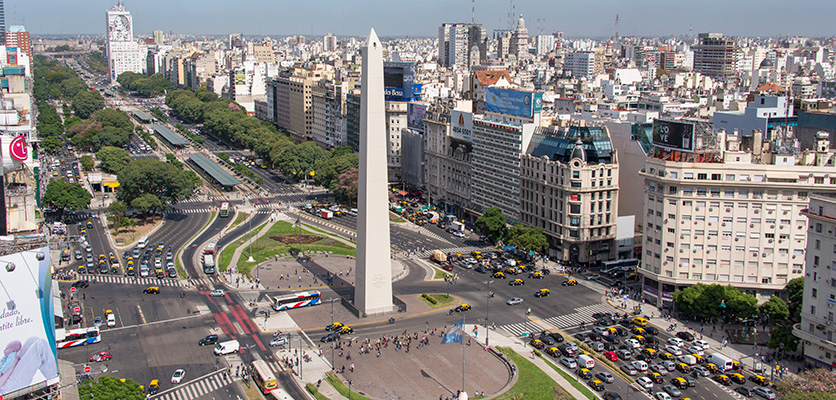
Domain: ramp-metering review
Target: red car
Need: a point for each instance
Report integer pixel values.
(447, 267)
(101, 356)
(611, 356)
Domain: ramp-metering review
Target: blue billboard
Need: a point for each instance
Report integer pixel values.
(399, 94)
(513, 102)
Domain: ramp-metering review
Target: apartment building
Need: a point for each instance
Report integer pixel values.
(569, 188)
(448, 153)
(328, 108)
(817, 328)
(730, 212)
(291, 93)
(717, 56)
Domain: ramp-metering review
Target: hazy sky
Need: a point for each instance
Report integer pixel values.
(591, 18)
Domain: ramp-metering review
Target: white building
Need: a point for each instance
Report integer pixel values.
(730, 214)
(817, 328)
(123, 53)
(580, 63)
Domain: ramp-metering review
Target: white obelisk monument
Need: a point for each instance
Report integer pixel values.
(373, 283)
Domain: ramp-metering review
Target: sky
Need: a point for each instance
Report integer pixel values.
(421, 18)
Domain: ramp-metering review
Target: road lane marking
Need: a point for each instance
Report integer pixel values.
(141, 315)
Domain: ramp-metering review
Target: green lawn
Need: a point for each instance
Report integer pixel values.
(533, 383)
(239, 218)
(266, 248)
(313, 390)
(340, 386)
(441, 300)
(572, 380)
(226, 254)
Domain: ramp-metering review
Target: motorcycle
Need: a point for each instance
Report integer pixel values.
(391, 320)
(277, 334)
(490, 294)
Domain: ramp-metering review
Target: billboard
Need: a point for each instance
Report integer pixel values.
(673, 135)
(399, 94)
(461, 125)
(513, 102)
(29, 359)
(415, 114)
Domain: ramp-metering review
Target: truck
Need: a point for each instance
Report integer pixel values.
(457, 226)
(585, 361)
(228, 347)
(326, 214)
(438, 256)
(722, 361)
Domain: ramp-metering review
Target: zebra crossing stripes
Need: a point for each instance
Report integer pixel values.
(130, 280)
(520, 327)
(581, 314)
(453, 250)
(196, 388)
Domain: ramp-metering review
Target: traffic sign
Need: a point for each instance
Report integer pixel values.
(87, 369)
(76, 310)
(72, 290)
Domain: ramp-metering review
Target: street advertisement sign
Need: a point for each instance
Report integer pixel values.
(513, 102)
(27, 327)
(415, 116)
(673, 135)
(461, 125)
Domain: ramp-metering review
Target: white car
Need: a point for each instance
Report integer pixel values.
(675, 350)
(675, 341)
(645, 383)
(633, 342)
(279, 341)
(701, 343)
(514, 301)
(178, 376)
(641, 366)
(593, 277)
(217, 293)
(662, 396)
(458, 234)
(696, 350)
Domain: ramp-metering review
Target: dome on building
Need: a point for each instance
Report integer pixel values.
(520, 23)
(578, 151)
(766, 63)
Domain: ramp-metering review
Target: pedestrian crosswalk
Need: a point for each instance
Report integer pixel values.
(197, 388)
(260, 209)
(425, 253)
(581, 314)
(131, 280)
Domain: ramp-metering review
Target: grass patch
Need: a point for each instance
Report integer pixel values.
(252, 391)
(239, 218)
(532, 384)
(441, 300)
(398, 221)
(340, 386)
(440, 273)
(226, 254)
(313, 228)
(313, 390)
(267, 247)
(573, 381)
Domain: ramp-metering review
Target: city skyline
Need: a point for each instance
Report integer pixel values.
(638, 18)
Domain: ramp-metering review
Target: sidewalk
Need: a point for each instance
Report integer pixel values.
(231, 274)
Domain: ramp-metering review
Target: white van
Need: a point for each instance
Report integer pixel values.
(721, 361)
(143, 241)
(111, 320)
(687, 359)
(585, 361)
(228, 347)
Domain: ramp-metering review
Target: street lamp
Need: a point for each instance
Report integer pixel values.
(488, 314)
(349, 388)
(332, 300)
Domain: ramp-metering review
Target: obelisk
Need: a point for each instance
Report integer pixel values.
(373, 283)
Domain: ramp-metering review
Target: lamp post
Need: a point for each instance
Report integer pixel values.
(349, 388)
(488, 314)
(332, 300)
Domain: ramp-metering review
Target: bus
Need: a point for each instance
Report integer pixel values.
(631, 263)
(297, 300)
(263, 377)
(280, 394)
(224, 209)
(78, 337)
(208, 258)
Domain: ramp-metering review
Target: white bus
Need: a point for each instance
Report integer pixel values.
(78, 337)
(263, 377)
(297, 300)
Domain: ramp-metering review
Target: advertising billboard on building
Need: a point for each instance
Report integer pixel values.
(461, 125)
(673, 135)
(415, 114)
(27, 327)
(513, 102)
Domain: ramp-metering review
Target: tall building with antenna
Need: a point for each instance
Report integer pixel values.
(461, 45)
(123, 53)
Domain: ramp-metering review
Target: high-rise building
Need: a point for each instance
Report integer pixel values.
(123, 53)
(818, 328)
(727, 209)
(716, 56)
(569, 188)
(329, 43)
(580, 63)
(519, 40)
(545, 44)
(2, 22)
(291, 92)
(159, 37)
(18, 37)
(461, 45)
(448, 153)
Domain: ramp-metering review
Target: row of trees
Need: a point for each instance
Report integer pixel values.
(55, 81)
(148, 86)
(494, 226)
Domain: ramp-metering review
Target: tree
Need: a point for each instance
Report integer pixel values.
(740, 305)
(146, 203)
(115, 118)
(781, 337)
(113, 159)
(775, 308)
(492, 223)
(172, 159)
(117, 209)
(526, 238)
(87, 162)
(86, 103)
(149, 176)
(62, 195)
(795, 296)
(50, 143)
(110, 388)
(714, 301)
(810, 382)
(810, 396)
(345, 187)
(72, 86)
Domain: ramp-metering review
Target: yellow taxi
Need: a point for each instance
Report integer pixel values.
(154, 386)
(737, 378)
(639, 321)
(584, 373)
(553, 351)
(639, 338)
(684, 368)
(700, 359)
(476, 254)
(152, 290)
(760, 380)
(597, 385)
(713, 368)
(612, 331)
(649, 353)
(570, 282)
(639, 331)
(516, 282)
(542, 293)
(499, 275)
(89, 225)
(537, 344)
(81, 269)
(679, 382)
(667, 356)
(723, 380)
(336, 326)
(462, 308)
(656, 377)
(536, 275)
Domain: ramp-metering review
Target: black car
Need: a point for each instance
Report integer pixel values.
(650, 330)
(208, 340)
(83, 283)
(333, 336)
(558, 338)
(612, 339)
(480, 269)
(609, 347)
(612, 396)
(687, 336)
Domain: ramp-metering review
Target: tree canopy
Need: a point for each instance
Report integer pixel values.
(775, 308)
(148, 86)
(810, 383)
(87, 162)
(492, 224)
(110, 388)
(795, 296)
(113, 159)
(62, 195)
(150, 176)
(86, 103)
(715, 301)
(526, 238)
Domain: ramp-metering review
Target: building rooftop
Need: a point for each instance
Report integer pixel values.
(559, 145)
(170, 136)
(215, 171)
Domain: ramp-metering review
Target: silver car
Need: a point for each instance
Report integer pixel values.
(569, 362)
(766, 393)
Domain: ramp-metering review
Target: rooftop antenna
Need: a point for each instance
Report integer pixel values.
(473, 12)
(616, 27)
(510, 13)
(690, 31)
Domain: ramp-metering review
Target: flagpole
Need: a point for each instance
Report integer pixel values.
(463, 329)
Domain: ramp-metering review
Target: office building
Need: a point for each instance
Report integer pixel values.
(580, 63)
(817, 328)
(329, 43)
(519, 41)
(327, 109)
(448, 154)
(461, 45)
(569, 188)
(159, 37)
(290, 94)
(19, 38)
(2, 22)
(123, 53)
(727, 209)
(716, 56)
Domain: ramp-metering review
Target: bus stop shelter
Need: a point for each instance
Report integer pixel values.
(172, 138)
(217, 174)
(143, 117)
